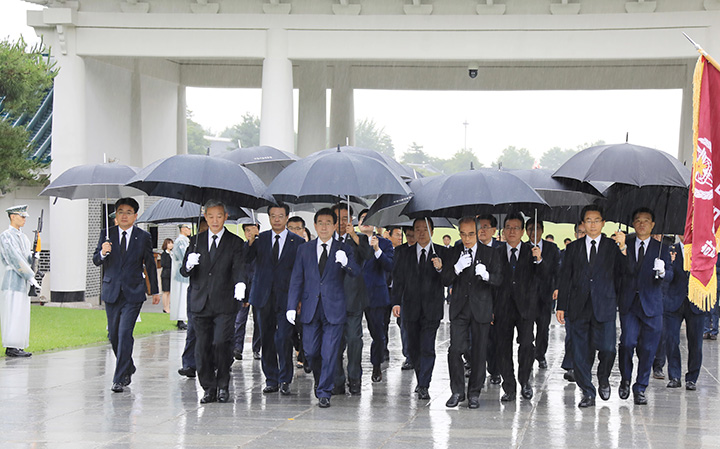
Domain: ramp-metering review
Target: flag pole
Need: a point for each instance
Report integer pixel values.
(702, 52)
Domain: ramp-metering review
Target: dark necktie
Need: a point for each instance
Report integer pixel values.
(276, 249)
(323, 258)
(469, 251)
(213, 247)
(641, 254)
(593, 251)
(340, 239)
(423, 259)
(123, 244)
(513, 257)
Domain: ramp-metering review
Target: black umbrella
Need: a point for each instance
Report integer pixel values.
(264, 161)
(474, 192)
(668, 203)
(397, 168)
(170, 210)
(333, 176)
(388, 209)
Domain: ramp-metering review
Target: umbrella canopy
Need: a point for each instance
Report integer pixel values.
(198, 178)
(668, 203)
(396, 167)
(335, 175)
(388, 209)
(93, 181)
(264, 161)
(170, 210)
(474, 192)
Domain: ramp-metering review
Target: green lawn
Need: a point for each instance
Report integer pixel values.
(53, 328)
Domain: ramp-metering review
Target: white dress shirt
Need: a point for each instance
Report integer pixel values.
(588, 244)
(219, 237)
(320, 248)
(509, 250)
(281, 242)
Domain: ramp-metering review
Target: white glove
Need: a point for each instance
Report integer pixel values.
(481, 270)
(341, 258)
(290, 315)
(659, 267)
(192, 260)
(240, 291)
(34, 283)
(463, 262)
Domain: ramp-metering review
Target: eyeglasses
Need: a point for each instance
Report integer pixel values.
(593, 222)
(467, 234)
(124, 212)
(485, 228)
(513, 228)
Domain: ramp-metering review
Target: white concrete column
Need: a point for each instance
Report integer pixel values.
(181, 121)
(342, 108)
(276, 114)
(685, 139)
(68, 219)
(312, 114)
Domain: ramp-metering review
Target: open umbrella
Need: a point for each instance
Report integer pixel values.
(264, 161)
(396, 167)
(171, 210)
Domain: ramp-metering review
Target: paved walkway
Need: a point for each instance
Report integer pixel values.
(63, 399)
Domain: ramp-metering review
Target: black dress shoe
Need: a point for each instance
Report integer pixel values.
(639, 398)
(354, 386)
(496, 379)
(624, 390)
(473, 402)
(454, 400)
(237, 354)
(256, 355)
(15, 352)
(526, 391)
(658, 374)
(324, 402)
(706, 336)
(338, 390)
(181, 325)
(307, 368)
(604, 392)
(507, 397)
(542, 364)
(713, 336)
(117, 388)
(569, 375)
(285, 389)
(209, 396)
(126, 380)
(690, 385)
(271, 389)
(187, 372)
(587, 401)
(376, 374)
(674, 383)
(423, 393)
(407, 365)
(223, 395)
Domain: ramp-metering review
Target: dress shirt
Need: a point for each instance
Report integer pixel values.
(219, 237)
(320, 248)
(419, 251)
(281, 243)
(588, 245)
(509, 250)
(645, 247)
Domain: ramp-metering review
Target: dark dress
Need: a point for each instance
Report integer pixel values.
(166, 264)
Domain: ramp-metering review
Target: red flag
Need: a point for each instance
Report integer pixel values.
(703, 216)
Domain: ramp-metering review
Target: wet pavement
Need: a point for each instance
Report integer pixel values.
(63, 399)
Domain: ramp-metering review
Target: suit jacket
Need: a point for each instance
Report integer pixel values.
(419, 291)
(578, 282)
(678, 289)
(521, 286)
(125, 274)
(641, 279)
(308, 286)
(212, 283)
(374, 273)
(271, 275)
(356, 293)
(548, 283)
(470, 290)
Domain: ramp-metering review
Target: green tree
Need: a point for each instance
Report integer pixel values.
(196, 142)
(460, 161)
(415, 155)
(247, 132)
(519, 158)
(555, 157)
(368, 135)
(25, 76)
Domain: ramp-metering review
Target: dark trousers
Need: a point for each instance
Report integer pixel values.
(542, 334)
(507, 321)
(403, 336)
(641, 334)
(386, 329)
(121, 318)
(567, 361)
(213, 349)
(375, 317)
(352, 340)
(492, 365)
(240, 326)
(188, 355)
(660, 355)
(462, 327)
(711, 319)
(275, 334)
(421, 347)
(694, 329)
(587, 336)
(321, 341)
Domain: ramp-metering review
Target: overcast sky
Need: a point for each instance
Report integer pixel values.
(536, 120)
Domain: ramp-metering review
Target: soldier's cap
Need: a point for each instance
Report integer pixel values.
(18, 210)
(184, 225)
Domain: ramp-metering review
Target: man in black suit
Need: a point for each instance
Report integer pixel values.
(516, 305)
(472, 277)
(486, 229)
(410, 241)
(251, 230)
(547, 285)
(214, 264)
(589, 282)
(123, 255)
(418, 294)
(273, 253)
(567, 361)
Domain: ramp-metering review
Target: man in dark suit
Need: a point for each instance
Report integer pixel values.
(486, 229)
(123, 256)
(641, 302)
(375, 272)
(678, 308)
(567, 361)
(214, 264)
(317, 289)
(251, 230)
(592, 269)
(410, 241)
(472, 277)
(273, 253)
(516, 305)
(395, 235)
(418, 294)
(547, 285)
